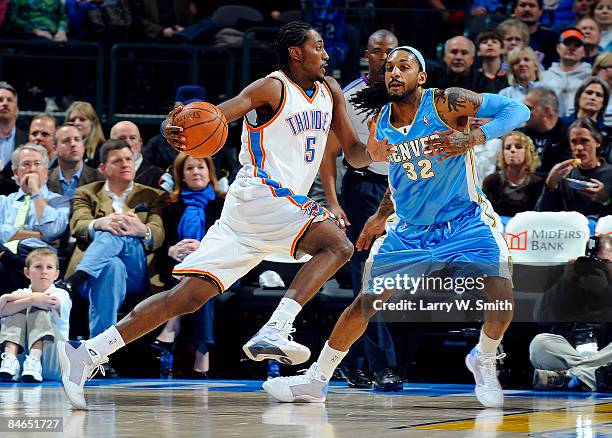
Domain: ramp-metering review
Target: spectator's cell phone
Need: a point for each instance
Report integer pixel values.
(579, 184)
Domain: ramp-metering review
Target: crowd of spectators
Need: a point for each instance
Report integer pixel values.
(106, 208)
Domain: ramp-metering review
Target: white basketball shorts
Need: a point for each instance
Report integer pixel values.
(257, 220)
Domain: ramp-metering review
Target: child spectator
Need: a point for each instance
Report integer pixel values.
(35, 319)
(43, 19)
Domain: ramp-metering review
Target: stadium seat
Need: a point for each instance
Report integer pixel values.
(604, 225)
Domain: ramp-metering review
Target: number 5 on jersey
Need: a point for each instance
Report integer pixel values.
(309, 149)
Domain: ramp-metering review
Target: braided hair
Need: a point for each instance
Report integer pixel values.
(371, 99)
(292, 34)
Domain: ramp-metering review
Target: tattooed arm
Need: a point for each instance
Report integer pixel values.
(456, 105)
(375, 225)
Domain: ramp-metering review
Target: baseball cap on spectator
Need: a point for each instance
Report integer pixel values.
(571, 33)
(8, 86)
(190, 93)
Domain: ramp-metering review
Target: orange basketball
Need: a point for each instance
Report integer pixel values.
(204, 129)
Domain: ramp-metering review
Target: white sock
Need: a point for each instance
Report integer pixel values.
(285, 312)
(486, 344)
(329, 359)
(105, 344)
(35, 352)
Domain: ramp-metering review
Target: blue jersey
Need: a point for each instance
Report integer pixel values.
(426, 191)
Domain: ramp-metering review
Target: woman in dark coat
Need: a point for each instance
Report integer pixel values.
(195, 204)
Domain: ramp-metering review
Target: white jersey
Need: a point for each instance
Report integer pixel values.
(359, 122)
(286, 151)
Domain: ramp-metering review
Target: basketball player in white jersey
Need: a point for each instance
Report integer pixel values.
(266, 209)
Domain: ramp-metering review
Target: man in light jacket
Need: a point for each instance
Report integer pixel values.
(566, 75)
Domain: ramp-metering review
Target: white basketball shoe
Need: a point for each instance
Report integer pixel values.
(32, 370)
(278, 344)
(484, 367)
(309, 387)
(9, 367)
(77, 366)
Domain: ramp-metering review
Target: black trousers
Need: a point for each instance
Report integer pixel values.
(360, 197)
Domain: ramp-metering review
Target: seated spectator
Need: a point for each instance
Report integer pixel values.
(105, 21)
(582, 8)
(34, 320)
(490, 77)
(42, 19)
(591, 101)
(42, 130)
(524, 72)
(558, 14)
(85, 118)
(602, 13)
(194, 206)
(116, 223)
(71, 171)
(146, 173)
(457, 70)
(602, 68)
(515, 34)
(161, 20)
(30, 218)
(566, 75)
(11, 137)
(583, 293)
(561, 195)
(546, 129)
(514, 188)
(341, 38)
(592, 37)
(542, 40)
(483, 11)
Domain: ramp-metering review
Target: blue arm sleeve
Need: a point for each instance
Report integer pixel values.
(508, 114)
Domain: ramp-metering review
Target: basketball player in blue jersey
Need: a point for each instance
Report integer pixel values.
(443, 217)
(287, 118)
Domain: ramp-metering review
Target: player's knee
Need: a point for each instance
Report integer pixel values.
(363, 307)
(344, 250)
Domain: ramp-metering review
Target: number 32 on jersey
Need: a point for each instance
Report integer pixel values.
(422, 169)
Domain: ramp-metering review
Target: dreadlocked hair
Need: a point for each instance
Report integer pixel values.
(372, 98)
(292, 34)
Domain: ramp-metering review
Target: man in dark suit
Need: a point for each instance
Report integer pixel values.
(71, 171)
(146, 173)
(11, 137)
(116, 223)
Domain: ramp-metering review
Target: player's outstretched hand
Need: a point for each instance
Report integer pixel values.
(372, 230)
(379, 150)
(173, 133)
(451, 143)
